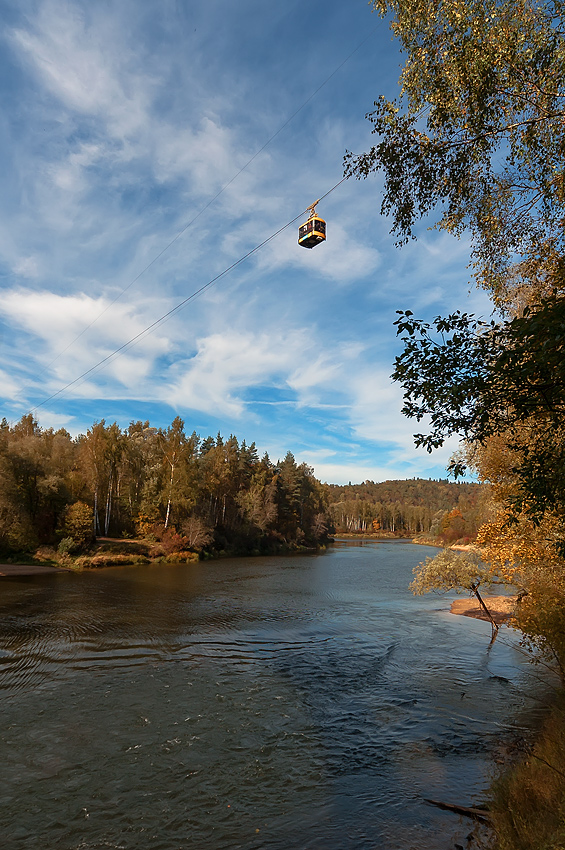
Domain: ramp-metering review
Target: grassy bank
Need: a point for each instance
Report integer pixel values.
(114, 552)
(108, 552)
(528, 801)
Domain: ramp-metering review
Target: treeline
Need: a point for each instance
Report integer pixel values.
(187, 492)
(196, 494)
(441, 510)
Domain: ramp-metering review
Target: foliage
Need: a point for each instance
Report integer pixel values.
(540, 617)
(35, 469)
(77, 525)
(257, 502)
(478, 379)
(16, 530)
(525, 556)
(166, 541)
(522, 539)
(412, 507)
(177, 452)
(196, 533)
(452, 527)
(478, 130)
(451, 570)
(66, 546)
(183, 491)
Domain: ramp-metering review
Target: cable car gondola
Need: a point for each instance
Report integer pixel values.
(313, 231)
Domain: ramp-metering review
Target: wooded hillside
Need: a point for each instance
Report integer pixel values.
(439, 509)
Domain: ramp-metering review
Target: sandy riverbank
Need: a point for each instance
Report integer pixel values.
(501, 608)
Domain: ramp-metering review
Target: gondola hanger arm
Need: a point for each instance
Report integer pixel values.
(312, 208)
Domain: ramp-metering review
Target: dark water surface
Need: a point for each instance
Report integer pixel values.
(282, 703)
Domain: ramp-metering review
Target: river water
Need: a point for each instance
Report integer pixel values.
(288, 703)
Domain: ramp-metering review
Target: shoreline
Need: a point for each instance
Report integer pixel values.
(8, 570)
(501, 608)
(106, 558)
(119, 559)
(367, 535)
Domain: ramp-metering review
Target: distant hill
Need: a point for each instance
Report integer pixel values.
(440, 509)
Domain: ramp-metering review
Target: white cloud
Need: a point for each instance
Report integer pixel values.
(229, 362)
(83, 64)
(208, 155)
(9, 386)
(376, 417)
(69, 175)
(376, 405)
(357, 473)
(313, 374)
(61, 322)
(52, 419)
(27, 267)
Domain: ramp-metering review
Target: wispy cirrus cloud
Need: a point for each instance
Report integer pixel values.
(227, 364)
(82, 60)
(56, 322)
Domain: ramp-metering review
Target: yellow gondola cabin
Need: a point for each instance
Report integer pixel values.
(313, 231)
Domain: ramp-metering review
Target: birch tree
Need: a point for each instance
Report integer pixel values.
(477, 134)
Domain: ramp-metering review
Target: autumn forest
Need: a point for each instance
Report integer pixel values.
(191, 495)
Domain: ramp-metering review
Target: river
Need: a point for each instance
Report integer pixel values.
(291, 703)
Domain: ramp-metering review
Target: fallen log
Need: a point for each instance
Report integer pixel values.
(477, 814)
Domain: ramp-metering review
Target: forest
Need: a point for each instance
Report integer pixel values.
(177, 490)
(185, 495)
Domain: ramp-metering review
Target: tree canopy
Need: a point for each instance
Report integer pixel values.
(152, 482)
(479, 379)
(478, 131)
(477, 137)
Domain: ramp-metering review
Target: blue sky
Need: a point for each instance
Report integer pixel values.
(120, 121)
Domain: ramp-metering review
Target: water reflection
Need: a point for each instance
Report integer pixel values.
(303, 702)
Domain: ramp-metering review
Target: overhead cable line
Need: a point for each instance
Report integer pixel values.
(150, 328)
(212, 200)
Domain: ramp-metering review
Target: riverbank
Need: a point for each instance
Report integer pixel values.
(118, 552)
(430, 541)
(368, 535)
(106, 552)
(526, 803)
(500, 607)
(8, 570)
(527, 807)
